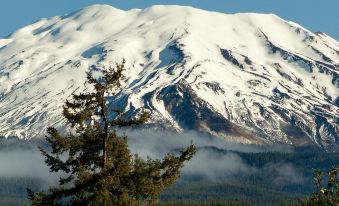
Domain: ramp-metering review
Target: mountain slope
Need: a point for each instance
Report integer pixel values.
(249, 78)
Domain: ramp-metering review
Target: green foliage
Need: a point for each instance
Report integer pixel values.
(99, 167)
(326, 194)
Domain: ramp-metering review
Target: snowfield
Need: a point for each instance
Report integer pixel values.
(248, 78)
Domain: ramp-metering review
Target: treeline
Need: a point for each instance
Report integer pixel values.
(315, 156)
(17, 185)
(257, 194)
(272, 184)
(258, 188)
(13, 190)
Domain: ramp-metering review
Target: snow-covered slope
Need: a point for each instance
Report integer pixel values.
(249, 78)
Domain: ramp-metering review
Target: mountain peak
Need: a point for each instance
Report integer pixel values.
(96, 10)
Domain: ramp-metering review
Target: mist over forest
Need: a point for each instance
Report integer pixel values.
(280, 172)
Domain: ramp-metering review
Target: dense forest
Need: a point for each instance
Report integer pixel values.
(266, 186)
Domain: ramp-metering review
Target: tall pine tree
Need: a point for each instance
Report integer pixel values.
(99, 167)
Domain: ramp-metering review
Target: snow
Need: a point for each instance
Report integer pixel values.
(42, 64)
(4, 42)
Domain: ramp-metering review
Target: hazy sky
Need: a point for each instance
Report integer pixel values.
(316, 15)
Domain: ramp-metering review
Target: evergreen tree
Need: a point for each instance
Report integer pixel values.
(326, 195)
(99, 167)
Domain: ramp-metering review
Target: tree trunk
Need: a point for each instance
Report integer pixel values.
(105, 121)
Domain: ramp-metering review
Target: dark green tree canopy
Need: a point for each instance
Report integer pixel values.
(99, 168)
(329, 194)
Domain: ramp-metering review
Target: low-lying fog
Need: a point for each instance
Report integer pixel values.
(25, 160)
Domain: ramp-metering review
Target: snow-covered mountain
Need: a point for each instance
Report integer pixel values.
(249, 78)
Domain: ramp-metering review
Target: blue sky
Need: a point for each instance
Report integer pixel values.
(316, 15)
